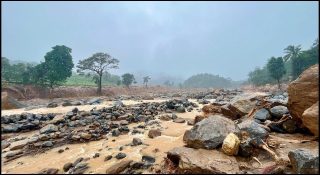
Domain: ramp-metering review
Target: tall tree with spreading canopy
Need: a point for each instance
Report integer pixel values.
(98, 63)
(276, 69)
(146, 80)
(127, 79)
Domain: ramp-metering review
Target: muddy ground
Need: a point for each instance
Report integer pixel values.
(171, 137)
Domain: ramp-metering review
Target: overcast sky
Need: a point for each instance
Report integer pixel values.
(177, 38)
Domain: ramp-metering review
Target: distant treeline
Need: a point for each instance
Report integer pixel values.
(295, 61)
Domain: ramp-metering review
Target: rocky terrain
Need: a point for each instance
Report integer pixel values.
(216, 131)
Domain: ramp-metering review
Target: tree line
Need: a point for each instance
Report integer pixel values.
(58, 66)
(285, 68)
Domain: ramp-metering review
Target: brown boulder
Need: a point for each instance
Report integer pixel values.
(189, 160)
(310, 118)
(154, 133)
(303, 92)
(118, 167)
(210, 109)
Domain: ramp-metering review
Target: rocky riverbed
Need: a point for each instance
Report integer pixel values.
(221, 131)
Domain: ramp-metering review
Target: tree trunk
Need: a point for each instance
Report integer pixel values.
(279, 85)
(99, 85)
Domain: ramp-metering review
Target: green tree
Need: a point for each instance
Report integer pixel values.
(292, 54)
(276, 68)
(127, 79)
(260, 77)
(146, 80)
(58, 64)
(98, 63)
(5, 69)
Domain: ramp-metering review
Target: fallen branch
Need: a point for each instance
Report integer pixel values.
(256, 159)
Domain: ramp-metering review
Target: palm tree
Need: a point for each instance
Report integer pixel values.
(145, 80)
(292, 52)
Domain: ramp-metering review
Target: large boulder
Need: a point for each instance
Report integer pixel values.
(210, 132)
(303, 162)
(310, 118)
(303, 93)
(246, 102)
(189, 160)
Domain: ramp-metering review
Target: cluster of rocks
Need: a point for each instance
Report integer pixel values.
(93, 101)
(84, 126)
(23, 122)
(242, 126)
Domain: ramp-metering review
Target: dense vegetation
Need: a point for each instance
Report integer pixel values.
(295, 62)
(53, 72)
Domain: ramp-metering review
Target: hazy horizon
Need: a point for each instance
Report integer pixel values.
(177, 39)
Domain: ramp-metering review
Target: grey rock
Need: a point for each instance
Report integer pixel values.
(47, 144)
(120, 156)
(48, 129)
(210, 132)
(148, 159)
(303, 162)
(52, 105)
(262, 115)
(181, 109)
(279, 111)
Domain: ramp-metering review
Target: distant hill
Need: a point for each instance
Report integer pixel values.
(206, 80)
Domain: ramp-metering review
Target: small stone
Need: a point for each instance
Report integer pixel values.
(47, 144)
(120, 155)
(96, 155)
(290, 126)
(108, 158)
(148, 159)
(60, 151)
(48, 171)
(279, 111)
(262, 115)
(136, 141)
(190, 122)
(231, 144)
(179, 120)
(181, 109)
(86, 136)
(77, 161)
(67, 166)
(174, 116)
(154, 133)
